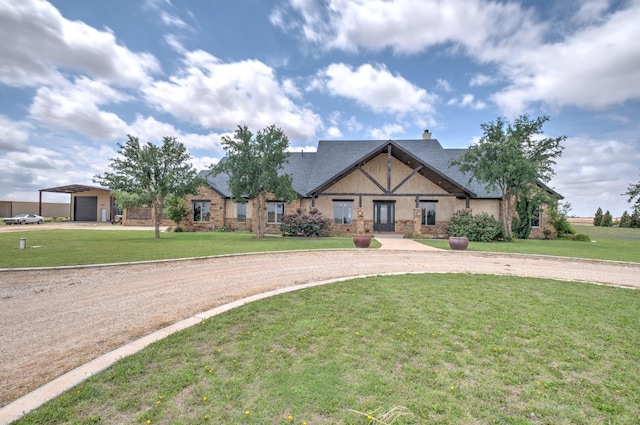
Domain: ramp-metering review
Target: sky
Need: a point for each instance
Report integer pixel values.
(77, 76)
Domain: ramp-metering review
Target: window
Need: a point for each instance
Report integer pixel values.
(201, 211)
(428, 212)
(241, 214)
(342, 212)
(275, 212)
(535, 218)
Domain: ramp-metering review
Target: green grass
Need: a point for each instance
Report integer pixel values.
(78, 247)
(607, 243)
(447, 349)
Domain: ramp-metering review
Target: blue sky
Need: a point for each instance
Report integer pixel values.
(77, 77)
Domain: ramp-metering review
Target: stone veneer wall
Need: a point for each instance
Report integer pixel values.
(217, 210)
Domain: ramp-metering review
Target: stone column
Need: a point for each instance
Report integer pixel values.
(417, 221)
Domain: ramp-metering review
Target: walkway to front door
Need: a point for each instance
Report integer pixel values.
(384, 216)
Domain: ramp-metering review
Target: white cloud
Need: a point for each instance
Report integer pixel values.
(43, 42)
(204, 162)
(590, 11)
(14, 135)
(334, 132)
(172, 20)
(376, 88)
(443, 84)
(75, 107)
(62, 160)
(167, 18)
(354, 125)
(596, 67)
(406, 26)
(307, 148)
(386, 132)
(150, 129)
(483, 80)
(594, 173)
(586, 58)
(214, 94)
(467, 100)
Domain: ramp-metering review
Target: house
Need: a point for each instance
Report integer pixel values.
(404, 186)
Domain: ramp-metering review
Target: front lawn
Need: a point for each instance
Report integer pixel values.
(440, 349)
(79, 247)
(607, 243)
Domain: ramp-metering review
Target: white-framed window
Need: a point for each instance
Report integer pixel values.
(201, 211)
(535, 217)
(241, 213)
(342, 212)
(428, 212)
(275, 212)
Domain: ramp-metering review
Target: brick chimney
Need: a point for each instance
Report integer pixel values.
(426, 135)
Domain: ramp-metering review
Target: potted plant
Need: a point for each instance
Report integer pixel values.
(362, 240)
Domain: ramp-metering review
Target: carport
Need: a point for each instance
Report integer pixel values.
(95, 203)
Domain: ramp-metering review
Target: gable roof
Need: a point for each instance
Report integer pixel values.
(314, 171)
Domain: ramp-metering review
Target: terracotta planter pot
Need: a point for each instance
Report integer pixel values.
(458, 242)
(362, 241)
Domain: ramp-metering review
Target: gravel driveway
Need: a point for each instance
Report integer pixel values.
(54, 320)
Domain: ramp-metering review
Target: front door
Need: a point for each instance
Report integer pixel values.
(384, 216)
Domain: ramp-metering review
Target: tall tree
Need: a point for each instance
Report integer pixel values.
(254, 167)
(149, 173)
(633, 192)
(625, 220)
(597, 218)
(512, 158)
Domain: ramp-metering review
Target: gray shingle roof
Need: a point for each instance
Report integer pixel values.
(333, 158)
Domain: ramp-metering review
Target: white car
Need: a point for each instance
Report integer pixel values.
(24, 219)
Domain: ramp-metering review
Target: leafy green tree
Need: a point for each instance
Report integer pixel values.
(177, 209)
(512, 158)
(254, 167)
(149, 173)
(126, 199)
(597, 218)
(607, 219)
(625, 220)
(633, 191)
(635, 219)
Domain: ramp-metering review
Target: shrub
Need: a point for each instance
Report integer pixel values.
(479, 228)
(176, 209)
(301, 224)
(558, 219)
(581, 238)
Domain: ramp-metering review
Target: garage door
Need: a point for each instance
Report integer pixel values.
(86, 208)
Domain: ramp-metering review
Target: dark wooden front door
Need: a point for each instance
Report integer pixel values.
(384, 216)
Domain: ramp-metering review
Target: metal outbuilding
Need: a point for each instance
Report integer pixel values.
(88, 203)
